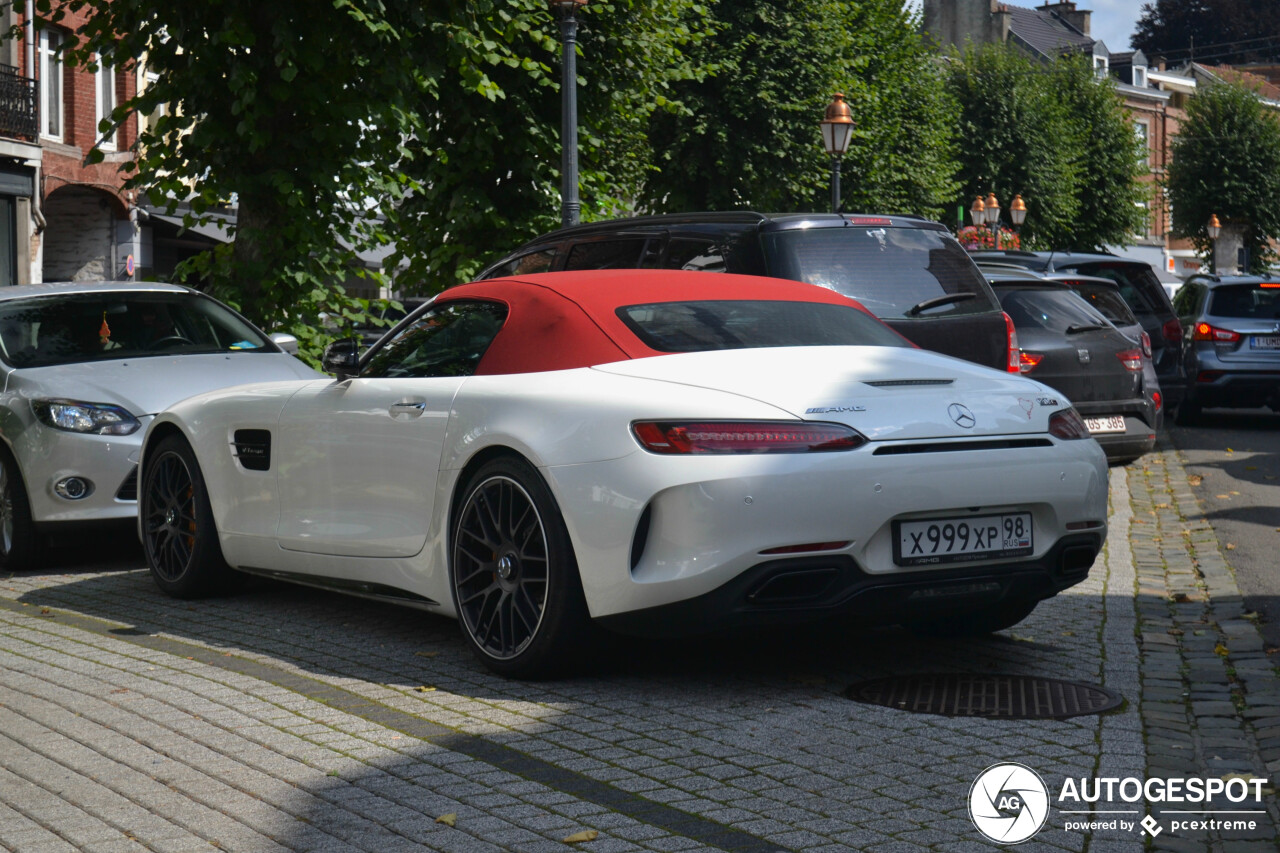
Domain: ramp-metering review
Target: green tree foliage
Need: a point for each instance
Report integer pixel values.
(749, 134)
(1226, 162)
(294, 109)
(487, 155)
(1055, 134)
(1217, 32)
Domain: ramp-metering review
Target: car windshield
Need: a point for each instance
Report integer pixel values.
(701, 326)
(1055, 310)
(1246, 301)
(43, 331)
(894, 272)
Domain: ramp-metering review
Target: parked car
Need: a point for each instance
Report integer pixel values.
(1073, 348)
(86, 366)
(1232, 342)
(1104, 295)
(1142, 291)
(909, 272)
(656, 452)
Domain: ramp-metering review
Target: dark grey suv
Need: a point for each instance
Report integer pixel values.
(1232, 342)
(1140, 287)
(909, 272)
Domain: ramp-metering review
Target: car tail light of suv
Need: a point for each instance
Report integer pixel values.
(1172, 331)
(1205, 332)
(1146, 345)
(1131, 358)
(1027, 361)
(1015, 363)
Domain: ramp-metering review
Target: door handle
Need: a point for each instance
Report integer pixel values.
(408, 407)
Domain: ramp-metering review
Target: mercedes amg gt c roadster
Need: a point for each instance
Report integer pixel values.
(653, 452)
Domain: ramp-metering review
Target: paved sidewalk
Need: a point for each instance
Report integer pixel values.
(291, 719)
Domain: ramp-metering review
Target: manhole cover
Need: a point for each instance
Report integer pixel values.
(1003, 697)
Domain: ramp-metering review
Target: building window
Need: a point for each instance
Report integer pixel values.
(50, 85)
(1143, 132)
(1140, 76)
(106, 86)
(1100, 66)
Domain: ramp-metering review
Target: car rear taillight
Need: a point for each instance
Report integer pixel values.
(690, 437)
(1027, 361)
(1067, 424)
(1158, 400)
(1205, 332)
(1014, 363)
(1131, 358)
(1172, 331)
(1146, 345)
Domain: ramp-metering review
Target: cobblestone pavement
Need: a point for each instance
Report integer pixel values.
(291, 719)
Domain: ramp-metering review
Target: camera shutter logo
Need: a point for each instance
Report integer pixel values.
(1008, 803)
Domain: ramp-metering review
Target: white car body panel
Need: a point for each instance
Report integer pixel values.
(376, 511)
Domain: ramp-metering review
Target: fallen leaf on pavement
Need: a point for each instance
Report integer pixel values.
(450, 819)
(1195, 479)
(1231, 546)
(426, 654)
(1221, 650)
(1251, 467)
(585, 835)
(1223, 497)
(424, 689)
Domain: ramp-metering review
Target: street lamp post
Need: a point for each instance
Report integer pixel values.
(569, 204)
(1214, 227)
(837, 130)
(988, 213)
(992, 214)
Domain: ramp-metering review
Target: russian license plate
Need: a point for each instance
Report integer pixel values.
(1111, 423)
(1265, 342)
(959, 540)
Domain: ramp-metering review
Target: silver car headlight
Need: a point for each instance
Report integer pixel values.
(75, 416)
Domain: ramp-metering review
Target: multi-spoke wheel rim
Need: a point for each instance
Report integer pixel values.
(6, 511)
(500, 567)
(169, 513)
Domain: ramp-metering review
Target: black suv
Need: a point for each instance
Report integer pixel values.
(1140, 287)
(909, 272)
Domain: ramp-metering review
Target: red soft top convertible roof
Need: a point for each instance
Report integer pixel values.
(563, 320)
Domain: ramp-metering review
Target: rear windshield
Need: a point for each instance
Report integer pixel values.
(701, 326)
(894, 272)
(1139, 286)
(49, 330)
(1108, 303)
(1246, 301)
(1055, 310)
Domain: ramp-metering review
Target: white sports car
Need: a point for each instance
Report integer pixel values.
(653, 452)
(86, 365)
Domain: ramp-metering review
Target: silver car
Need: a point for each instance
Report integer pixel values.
(86, 366)
(1231, 343)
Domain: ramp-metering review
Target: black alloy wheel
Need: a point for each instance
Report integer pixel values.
(515, 581)
(178, 532)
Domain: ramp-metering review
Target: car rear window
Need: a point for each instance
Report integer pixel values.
(1054, 310)
(894, 272)
(741, 324)
(1246, 301)
(1138, 284)
(1107, 301)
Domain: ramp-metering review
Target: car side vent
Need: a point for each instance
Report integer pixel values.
(904, 383)
(253, 448)
(956, 446)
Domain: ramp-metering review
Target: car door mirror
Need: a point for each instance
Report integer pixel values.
(285, 341)
(342, 358)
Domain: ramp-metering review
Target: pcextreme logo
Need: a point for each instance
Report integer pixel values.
(1008, 803)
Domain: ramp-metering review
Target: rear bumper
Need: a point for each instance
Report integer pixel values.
(1141, 421)
(1234, 388)
(818, 589)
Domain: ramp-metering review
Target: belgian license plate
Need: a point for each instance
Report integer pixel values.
(1110, 423)
(959, 540)
(1265, 342)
